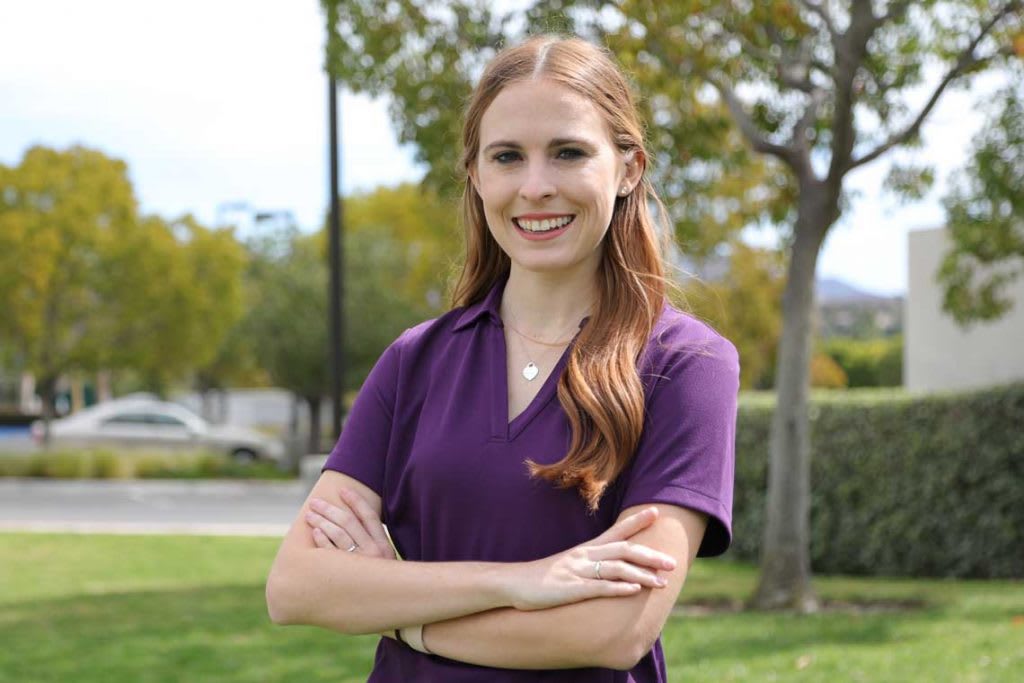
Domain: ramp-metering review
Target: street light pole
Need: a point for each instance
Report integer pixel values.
(335, 298)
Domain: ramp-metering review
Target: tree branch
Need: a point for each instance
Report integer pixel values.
(850, 50)
(897, 9)
(817, 97)
(965, 61)
(747, 126)
(819, 9)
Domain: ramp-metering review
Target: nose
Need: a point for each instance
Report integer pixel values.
(537, 183)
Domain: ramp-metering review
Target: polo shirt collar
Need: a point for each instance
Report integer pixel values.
(488, 306)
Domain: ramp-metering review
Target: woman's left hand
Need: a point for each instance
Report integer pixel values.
(352, 526)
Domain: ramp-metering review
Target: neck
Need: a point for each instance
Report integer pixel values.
(548, 306)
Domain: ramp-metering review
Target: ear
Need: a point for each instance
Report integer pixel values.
(636, 162)
(471, 172)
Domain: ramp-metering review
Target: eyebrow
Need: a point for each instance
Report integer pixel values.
(557, 142)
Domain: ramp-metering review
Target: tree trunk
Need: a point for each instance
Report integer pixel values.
(785, 581)
(313, 446)
(48, 392)
(104, 381)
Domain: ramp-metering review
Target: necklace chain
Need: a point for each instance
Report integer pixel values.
(537, 341)
(530, 371)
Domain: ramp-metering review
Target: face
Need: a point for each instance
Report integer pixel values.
(548, 175)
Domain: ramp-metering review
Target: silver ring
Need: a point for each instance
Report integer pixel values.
(354, 546)
(597, 569)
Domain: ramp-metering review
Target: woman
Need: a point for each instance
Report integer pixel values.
(542, 539)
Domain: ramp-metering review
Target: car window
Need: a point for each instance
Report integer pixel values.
(126, 419)
(165, 420)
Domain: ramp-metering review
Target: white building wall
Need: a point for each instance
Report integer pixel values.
(940, 356)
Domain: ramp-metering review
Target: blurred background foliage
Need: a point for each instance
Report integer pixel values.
(91, 284)
(169, 304)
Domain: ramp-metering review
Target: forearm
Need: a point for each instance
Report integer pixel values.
(356, 594)
(592, 633)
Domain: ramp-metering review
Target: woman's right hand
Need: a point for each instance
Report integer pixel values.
(574, 575)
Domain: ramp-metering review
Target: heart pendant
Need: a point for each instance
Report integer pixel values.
(530, 371)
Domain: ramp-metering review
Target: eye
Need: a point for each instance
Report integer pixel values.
(571, 153)
(506, 157)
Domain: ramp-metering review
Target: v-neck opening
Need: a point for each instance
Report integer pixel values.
(502, 427)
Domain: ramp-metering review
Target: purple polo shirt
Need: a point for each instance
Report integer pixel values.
(429, 433)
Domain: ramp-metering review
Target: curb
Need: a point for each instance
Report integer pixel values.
(146, 529)
(156, 486)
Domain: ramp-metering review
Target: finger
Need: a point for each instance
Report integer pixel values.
(338, 536)
(635, 553)
(321, 541)
(371, 522)
(628, 526)
(612, 589)
(619, 571)
(342, 516)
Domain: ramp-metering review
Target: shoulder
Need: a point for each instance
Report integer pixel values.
(430, 336)
(682, 345)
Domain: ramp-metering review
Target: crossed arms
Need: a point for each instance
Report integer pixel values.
(547, 614)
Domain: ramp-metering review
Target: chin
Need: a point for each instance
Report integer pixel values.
(547, 266)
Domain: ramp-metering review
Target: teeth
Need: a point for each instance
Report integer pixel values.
(544, 225)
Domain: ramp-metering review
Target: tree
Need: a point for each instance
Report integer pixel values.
(986, 214)
(288, 322)
(423, 227)
(399, 254)
(745, 307)
(392, 258)
(59, 214)
(173, 292)
(825, 88)
(90, 285)
(815, 89)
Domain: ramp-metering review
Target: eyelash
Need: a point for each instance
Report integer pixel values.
(502, 157)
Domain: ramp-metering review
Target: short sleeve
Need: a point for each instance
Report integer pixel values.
(361, 449)
(686, 454)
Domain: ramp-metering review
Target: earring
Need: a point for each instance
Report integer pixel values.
(624, 190)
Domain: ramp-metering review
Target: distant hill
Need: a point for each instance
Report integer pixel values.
(844, 310)
(831, 290)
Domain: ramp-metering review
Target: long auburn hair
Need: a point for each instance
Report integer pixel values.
(600, 390)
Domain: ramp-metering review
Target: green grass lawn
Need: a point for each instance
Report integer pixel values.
(111, 609)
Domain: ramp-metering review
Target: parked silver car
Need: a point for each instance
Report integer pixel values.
(144, 423)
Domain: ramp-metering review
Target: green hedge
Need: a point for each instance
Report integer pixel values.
(901, 485)
(874, 362)
(107, 464)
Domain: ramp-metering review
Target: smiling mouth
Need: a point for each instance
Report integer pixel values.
(542, 226)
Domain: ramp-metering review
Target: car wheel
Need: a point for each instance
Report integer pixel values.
(243, 455)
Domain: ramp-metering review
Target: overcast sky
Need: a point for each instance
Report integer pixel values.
(212, 103)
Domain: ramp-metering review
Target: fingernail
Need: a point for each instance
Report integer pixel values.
(315, 503)
(661, 582)
(670, 564)
(310, 517)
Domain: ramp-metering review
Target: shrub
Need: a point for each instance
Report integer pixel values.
(826, 373)
(107, 464)
(900, 485)
(868, 362)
